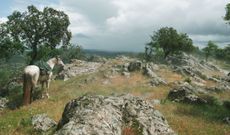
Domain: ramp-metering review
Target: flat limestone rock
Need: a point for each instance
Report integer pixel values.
(99, 115)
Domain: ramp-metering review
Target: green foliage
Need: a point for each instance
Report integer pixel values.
(9, 75)
(227, 14)
(226, 104)
(44, 53)
(210, 50)
(211, 100)
(188, 80)
(36, 28)
(8, 46)
(5, 76)
(73, 52)
(167, 41)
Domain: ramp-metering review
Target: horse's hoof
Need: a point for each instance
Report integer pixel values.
(47, 95)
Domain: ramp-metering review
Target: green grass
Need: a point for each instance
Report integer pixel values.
(185, 119)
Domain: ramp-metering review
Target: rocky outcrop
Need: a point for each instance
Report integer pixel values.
(185, 93)
(155, 79)
(191, 66)
(78, 67)
(221, 87)
(99, 115)
(41, 122)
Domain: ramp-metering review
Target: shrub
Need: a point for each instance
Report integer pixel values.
(188, 80)
(227, 104)
(74, 52)
(211, 100)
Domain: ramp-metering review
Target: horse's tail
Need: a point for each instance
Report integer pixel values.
(27, 88)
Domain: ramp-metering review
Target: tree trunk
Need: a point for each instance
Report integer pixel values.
(34, 55)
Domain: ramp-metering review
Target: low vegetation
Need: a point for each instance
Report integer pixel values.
(192, 119)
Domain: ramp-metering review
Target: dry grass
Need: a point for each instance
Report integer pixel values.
(178, 115)
(168, 75)
(184, 120)
(128, 131)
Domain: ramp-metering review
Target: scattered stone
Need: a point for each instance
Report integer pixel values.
(125, 67)
(41, 122)
(157, 81)
(149, 73)
(96, 58)
(214, 79)
(126, 74)
(155, 101)
(153, 67)
(219, 88)
(135, 66)
(106, 82)
(3, 103)
(227, 120)
(99, 115)
(123, 58)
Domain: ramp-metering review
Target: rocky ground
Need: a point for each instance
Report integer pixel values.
(182, 80)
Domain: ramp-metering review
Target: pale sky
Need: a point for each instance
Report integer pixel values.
(126, 25)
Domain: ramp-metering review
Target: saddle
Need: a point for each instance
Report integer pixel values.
(45, 69)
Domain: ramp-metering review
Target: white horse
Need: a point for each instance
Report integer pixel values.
(32, 75)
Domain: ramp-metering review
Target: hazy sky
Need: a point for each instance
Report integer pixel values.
(125, 25)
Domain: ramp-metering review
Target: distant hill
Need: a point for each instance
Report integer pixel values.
(108, 53)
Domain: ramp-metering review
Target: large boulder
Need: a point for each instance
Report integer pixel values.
(99, 115)
(135, 66)
(78, 67)
(185, 93)
(42, 123)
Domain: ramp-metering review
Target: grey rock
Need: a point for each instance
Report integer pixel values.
(78, 67)
(126, 74)
(41, 122)
(185, 93)
(135, 66)
(189, 65)
(99, 115)
(227, 120)
(149, 73)
(155, 101)
(3, 103)
(157, 81)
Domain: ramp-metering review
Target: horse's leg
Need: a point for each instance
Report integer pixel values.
(34, 85)
(27, 84)
(47, 87)
(48, 83)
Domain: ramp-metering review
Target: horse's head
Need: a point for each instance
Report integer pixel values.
(59, 61)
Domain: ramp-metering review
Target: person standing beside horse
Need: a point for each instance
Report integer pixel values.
(34, 73)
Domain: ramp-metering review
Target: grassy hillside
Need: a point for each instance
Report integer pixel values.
(183, 118)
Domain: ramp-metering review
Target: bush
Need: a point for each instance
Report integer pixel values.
(211, 100)
(188, 80)
(227, 104)
(74, 52)
(9, 73)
